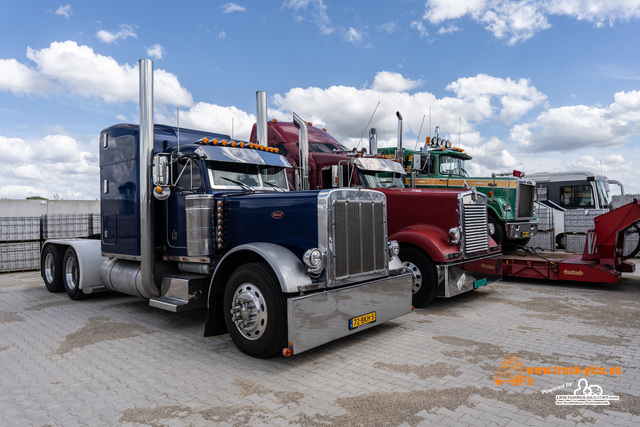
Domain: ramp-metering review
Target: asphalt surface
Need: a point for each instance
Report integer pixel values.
(113, 360)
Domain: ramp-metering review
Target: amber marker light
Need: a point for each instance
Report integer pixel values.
(215, 142)
(158, 189)
(242, 144)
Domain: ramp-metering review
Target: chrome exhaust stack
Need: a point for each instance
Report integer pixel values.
(399, 151)
(261, 117)
(373, 141)
(303, 138)
(147, 286)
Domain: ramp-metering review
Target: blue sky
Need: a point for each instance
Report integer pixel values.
(535, 85)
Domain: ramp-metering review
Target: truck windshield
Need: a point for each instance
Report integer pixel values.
(373, 179)
(258, 177)
(452, 166)
(604, 194)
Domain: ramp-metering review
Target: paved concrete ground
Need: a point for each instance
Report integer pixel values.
(112, 359)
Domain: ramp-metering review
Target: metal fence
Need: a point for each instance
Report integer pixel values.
(21, 237)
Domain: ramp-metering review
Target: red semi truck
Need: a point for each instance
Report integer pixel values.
(444, 235)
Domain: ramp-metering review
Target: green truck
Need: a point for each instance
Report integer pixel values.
(510, 197)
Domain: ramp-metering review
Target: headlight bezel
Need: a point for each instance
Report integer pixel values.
(314, 261)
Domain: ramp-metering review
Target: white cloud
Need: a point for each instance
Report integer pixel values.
(516, 97)
(65, 167)
(214, 118)
(64, 11)
(156, 51)
(353, 36)
(232, 7)
(20, 79)
(79, 71)
(222, 35)
(448, 29)
(573, 128)
(388, 27)
(125, 31)
(386, 81)
(516, 21)
(419, 26)
(318, 13)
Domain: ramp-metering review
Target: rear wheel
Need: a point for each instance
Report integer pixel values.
(425, 285)
(71, 275)
(51, 268)
(255, 311)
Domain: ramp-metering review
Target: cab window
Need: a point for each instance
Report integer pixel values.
(576, 196)
(186, 173)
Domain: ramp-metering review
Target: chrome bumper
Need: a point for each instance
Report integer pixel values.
(519, 230)
(319, 318)
(455, 279)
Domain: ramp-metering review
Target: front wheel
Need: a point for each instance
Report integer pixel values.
(500, 232)
(71, 275)
(425, 285)
(255, 311)
(51, 268)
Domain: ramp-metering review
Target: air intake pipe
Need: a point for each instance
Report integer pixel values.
(373, 141)
(261, 117)
(303, 139)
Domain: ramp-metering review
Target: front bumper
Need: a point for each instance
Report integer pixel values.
(458, 278)
(521, 230)
(321, 317)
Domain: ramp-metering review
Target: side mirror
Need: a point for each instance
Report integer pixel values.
(161, 190)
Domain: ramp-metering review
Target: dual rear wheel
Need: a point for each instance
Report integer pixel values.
(61, 271)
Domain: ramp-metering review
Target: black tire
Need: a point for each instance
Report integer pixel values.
(71, 275)
(561, 241)
(254, 287)
(425, 288)
(500, 233)
(51, 268)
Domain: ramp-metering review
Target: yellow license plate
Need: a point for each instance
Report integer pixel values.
(525, 234)
(362, 320)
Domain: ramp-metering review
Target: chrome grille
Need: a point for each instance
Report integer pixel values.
(359, 238)
(524, 200)
(474, 225)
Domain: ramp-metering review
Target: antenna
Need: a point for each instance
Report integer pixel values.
(232, 121)
(365, 128)
(459, 127)
(419, 132)
(178, 126)
(429, 119)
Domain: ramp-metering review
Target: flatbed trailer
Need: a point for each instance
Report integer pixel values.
(602, 261)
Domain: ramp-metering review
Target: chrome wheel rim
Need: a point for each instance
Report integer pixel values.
(71, 273)
(417, 275)
(49, 268)
(249, 311)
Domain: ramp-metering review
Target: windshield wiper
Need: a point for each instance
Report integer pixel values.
(241, 184)
(274, 185)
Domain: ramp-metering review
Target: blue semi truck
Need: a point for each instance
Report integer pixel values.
(191, 219)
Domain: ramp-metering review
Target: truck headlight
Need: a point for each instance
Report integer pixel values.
(394, 248)
(491, 228)
(314, 261)
(454, 235)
